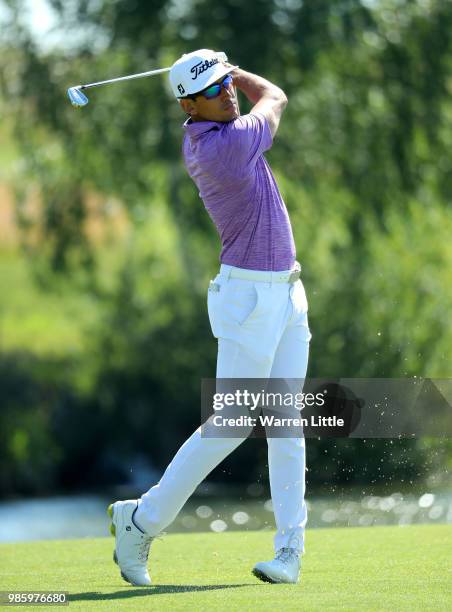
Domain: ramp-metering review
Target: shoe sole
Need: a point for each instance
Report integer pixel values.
(110, 514)
(123, 576)
(265, 578)
(113, 532)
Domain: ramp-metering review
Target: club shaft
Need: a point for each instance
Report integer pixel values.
(124, 78)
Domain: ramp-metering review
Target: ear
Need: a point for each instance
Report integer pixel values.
(188, 106)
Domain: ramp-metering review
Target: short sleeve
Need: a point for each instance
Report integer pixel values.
(243, 141)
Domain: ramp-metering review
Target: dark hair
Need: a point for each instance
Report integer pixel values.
(190, 97)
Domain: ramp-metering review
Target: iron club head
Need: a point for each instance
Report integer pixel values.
(76, 97)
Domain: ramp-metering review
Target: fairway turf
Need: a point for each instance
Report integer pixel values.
(362, 569)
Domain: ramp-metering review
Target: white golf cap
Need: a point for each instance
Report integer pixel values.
(195, 71)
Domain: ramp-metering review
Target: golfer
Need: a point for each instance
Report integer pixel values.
(257, 304)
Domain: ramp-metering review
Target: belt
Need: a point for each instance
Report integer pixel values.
(286, 276)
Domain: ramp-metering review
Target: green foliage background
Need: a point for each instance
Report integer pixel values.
(105, 341)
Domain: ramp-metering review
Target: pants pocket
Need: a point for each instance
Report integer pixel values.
(240, 302)
(214, 295)
(299, 299)
(231, 304)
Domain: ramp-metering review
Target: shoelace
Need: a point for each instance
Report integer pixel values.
(145, 545)
(286, 554)
(143, 549)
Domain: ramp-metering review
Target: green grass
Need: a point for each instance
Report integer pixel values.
(362, 569)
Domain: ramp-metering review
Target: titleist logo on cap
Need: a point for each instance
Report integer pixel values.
(202, 67)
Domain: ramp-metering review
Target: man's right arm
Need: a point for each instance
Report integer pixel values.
(268, 99)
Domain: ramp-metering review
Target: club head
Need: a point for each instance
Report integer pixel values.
(76, 97)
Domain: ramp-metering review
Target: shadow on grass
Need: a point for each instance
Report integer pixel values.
(160, 589)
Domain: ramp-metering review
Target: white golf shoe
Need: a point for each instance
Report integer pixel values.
(132, 545)
(285, 567)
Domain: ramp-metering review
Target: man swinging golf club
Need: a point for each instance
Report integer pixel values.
(257, 304)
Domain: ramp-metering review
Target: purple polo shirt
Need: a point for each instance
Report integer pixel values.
(226, 162)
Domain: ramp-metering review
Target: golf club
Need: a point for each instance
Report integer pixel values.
(78, 98)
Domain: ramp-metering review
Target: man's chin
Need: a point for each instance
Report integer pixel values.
(227, 115)
(231, 115)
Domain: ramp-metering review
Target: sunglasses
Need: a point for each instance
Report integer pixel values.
(213, 91)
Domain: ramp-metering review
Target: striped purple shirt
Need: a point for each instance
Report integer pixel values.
(226, 162)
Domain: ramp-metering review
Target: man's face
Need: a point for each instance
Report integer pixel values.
(223, 108)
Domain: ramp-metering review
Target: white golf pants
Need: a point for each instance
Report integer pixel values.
(262, 330)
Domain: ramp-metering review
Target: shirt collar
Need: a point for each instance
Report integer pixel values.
(196, 128)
